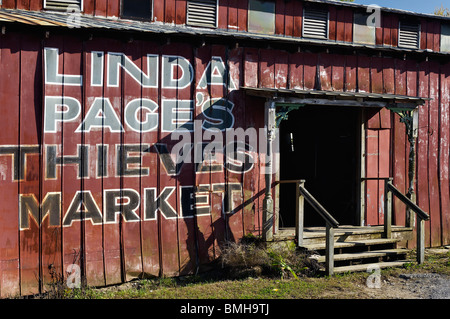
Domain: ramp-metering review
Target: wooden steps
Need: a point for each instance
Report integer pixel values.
(365, 267)
(355, 248)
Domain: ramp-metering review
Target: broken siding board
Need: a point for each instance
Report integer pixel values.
(30, 118)
(9, 95)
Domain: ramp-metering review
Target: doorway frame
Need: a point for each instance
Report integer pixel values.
(360, 171)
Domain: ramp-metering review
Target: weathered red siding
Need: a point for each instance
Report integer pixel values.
(113, 252)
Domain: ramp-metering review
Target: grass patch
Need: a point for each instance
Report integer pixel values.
(252, 271)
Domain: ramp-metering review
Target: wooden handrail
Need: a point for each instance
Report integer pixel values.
(390, 190)
(419, 211)
(319, 208)
(331, 223)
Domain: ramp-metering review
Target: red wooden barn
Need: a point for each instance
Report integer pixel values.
(108, 108)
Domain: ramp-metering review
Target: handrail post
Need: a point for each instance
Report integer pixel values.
(299, 209)
(420, 240)
(387, 208)
(329, 250)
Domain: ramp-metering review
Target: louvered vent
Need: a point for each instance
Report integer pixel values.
(63, 5)
(202, 13)
(409, 35)
(315, 23)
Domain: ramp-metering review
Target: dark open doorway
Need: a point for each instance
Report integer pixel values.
(320, 144)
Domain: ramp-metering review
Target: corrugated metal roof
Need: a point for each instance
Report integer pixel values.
(385, 9)
(81, 21)
(393, 98)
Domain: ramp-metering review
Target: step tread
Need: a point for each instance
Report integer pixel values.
(365, 254)
(364, 267)
(353, 243)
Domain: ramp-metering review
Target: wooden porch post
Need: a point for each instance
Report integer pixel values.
(299, 216)
(268, 218)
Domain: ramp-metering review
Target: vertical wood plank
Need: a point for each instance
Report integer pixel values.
(113, 8)
(51, 241)
(351, 78)
(251, 62)
(422, 144)
(72, 243)
(150, 182)
(279, 16)
(298, 16)
(309, 70)
(296, 71)
(131, 146)
(169, 11)
(433, 156)
(112, 194)
(30, 135)
(444, 152)
(180, 12)
(223, 14)
(372, 155)
(93, 229)
(9, 96)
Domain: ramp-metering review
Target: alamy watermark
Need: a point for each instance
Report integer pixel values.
(238, 149)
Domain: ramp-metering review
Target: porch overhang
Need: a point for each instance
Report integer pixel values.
(337, 98)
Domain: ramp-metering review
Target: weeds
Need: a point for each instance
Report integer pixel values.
(251, 254)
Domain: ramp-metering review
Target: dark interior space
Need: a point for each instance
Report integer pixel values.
(320, 145)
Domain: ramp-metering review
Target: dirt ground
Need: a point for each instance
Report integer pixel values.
(422, 285)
